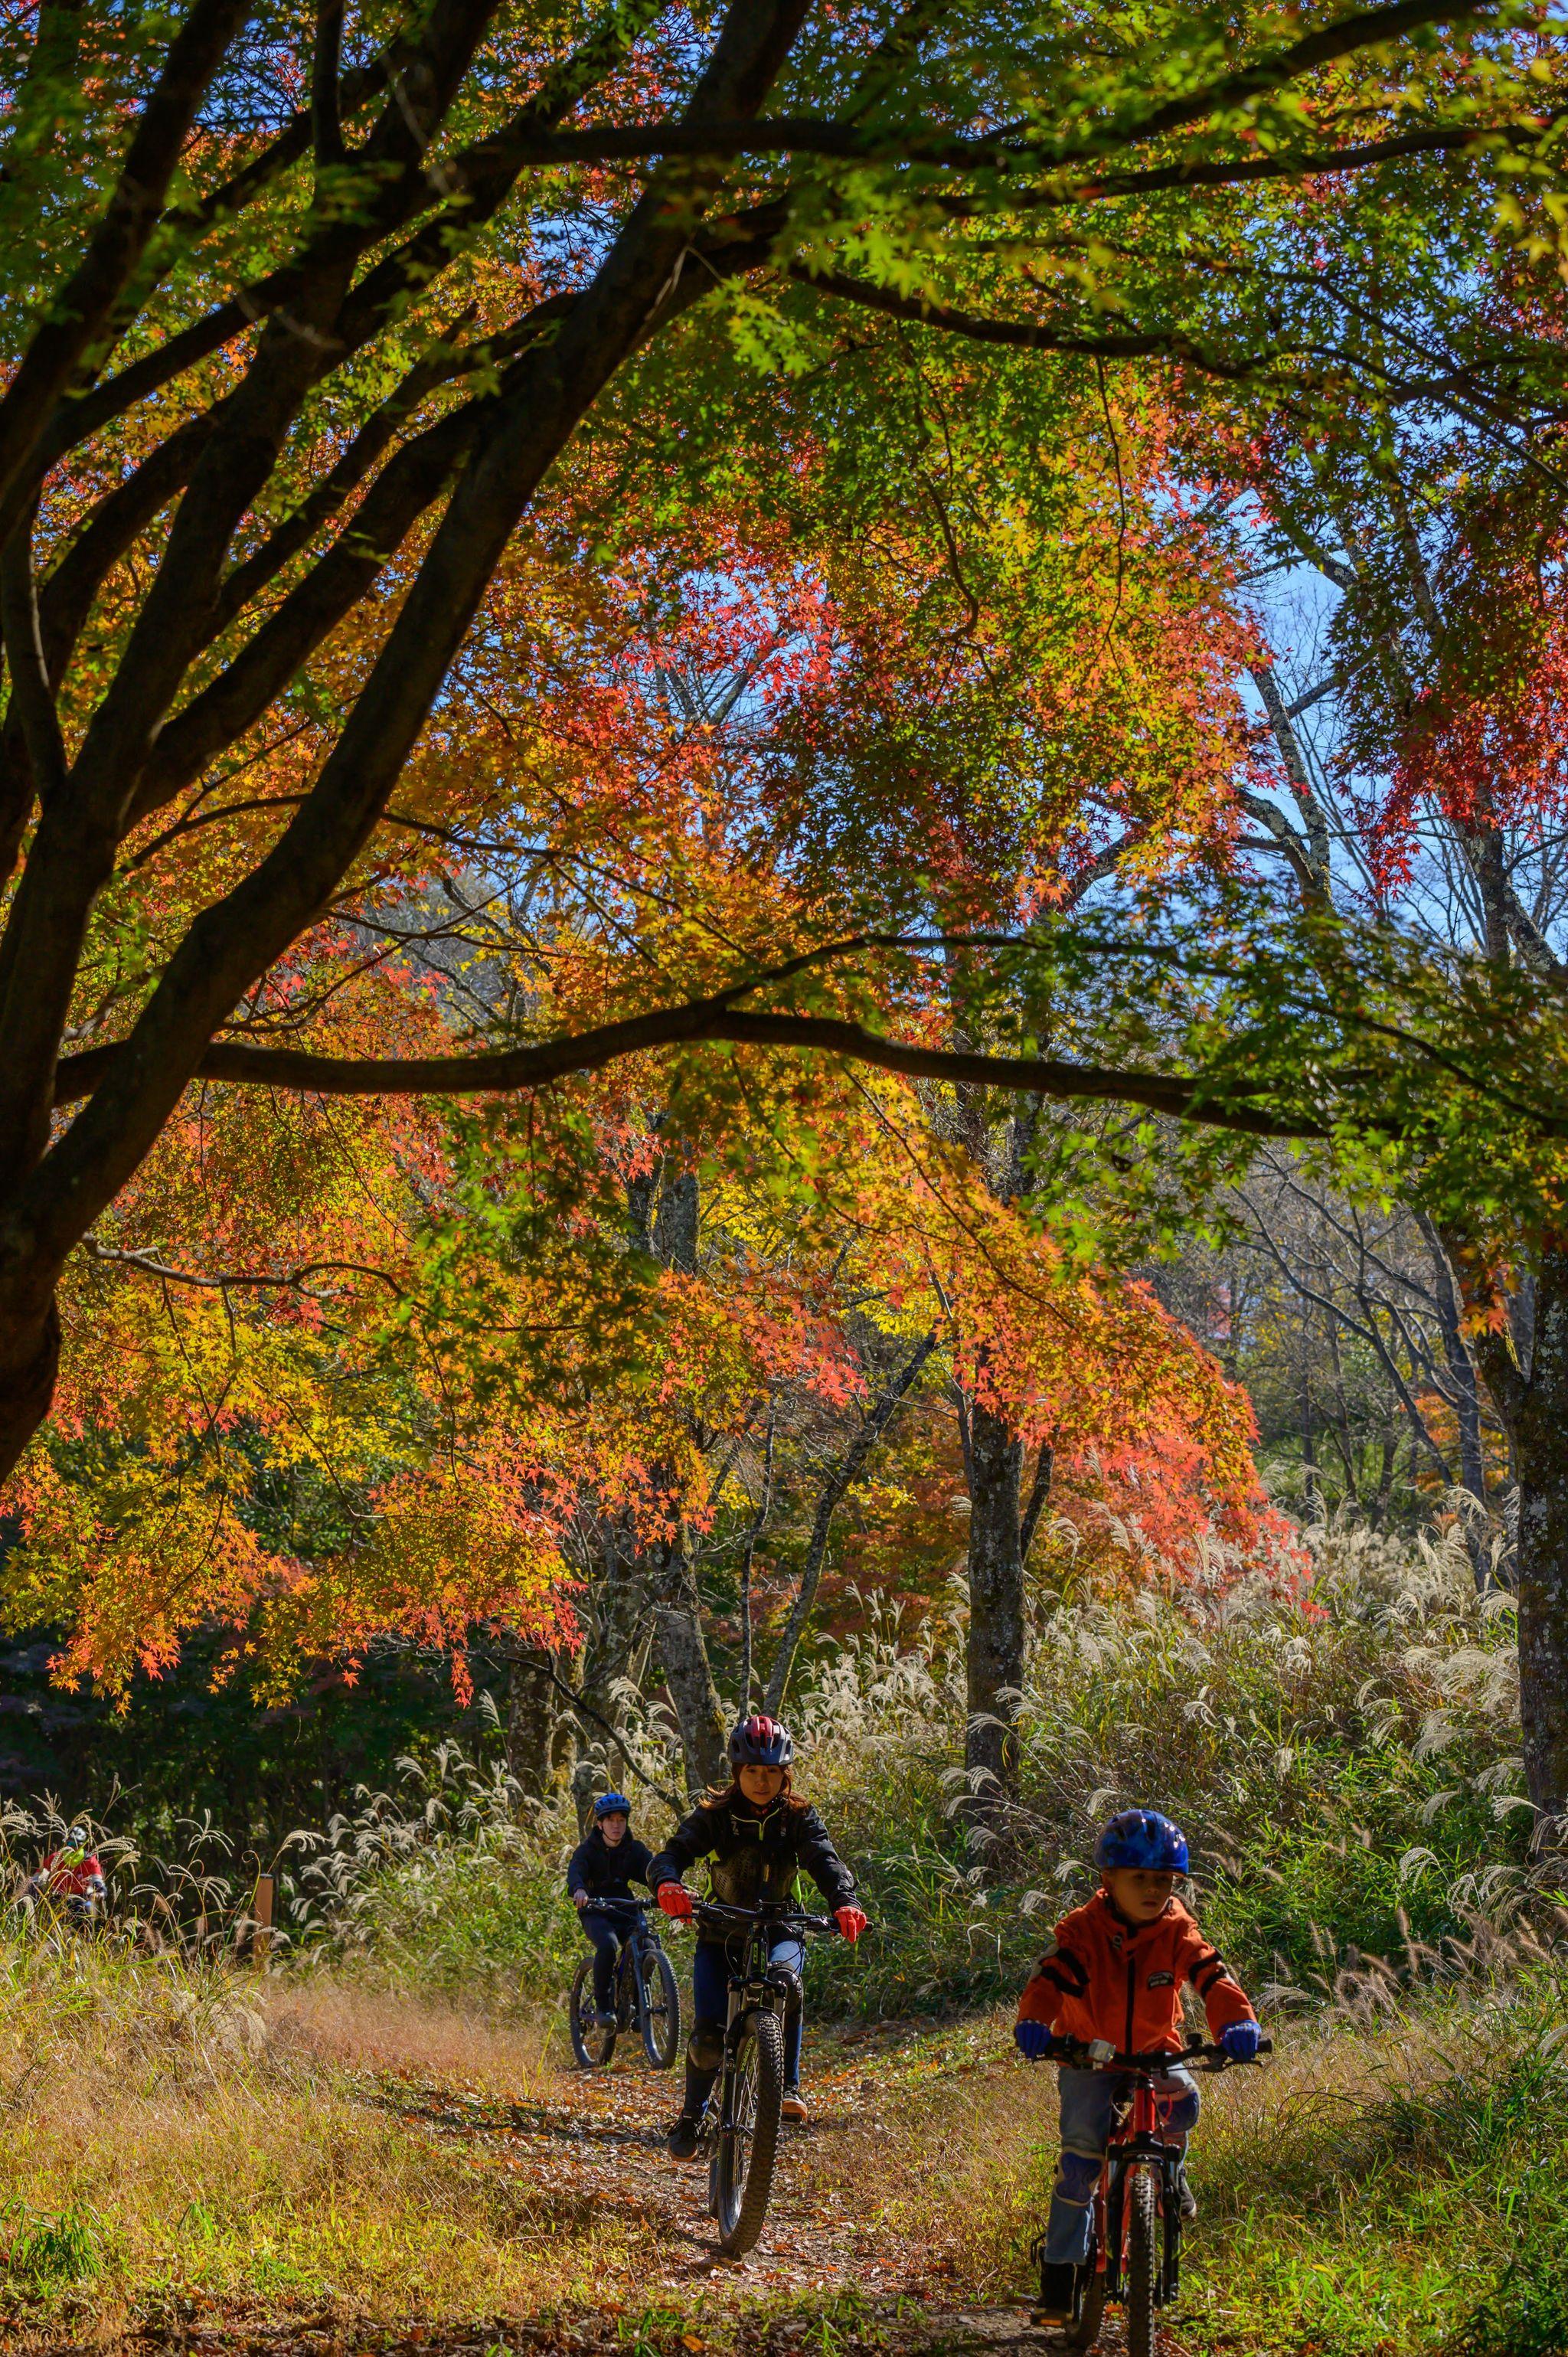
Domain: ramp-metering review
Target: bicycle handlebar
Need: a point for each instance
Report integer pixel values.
(718, 1910)
(1082, 2056)
(637, 1906)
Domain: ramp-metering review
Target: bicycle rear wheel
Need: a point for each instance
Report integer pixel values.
(1142, 2268)
(660, 2009)
(1088, 2303)
(592, 2046)
(744, 2171)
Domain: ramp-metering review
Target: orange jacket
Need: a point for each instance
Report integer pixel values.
(1107, 1978)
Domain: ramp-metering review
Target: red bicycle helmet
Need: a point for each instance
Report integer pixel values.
(761, 1743)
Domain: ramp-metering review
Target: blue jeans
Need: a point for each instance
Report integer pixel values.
(711, 1967)
(604, 1934)
(1089, 2100)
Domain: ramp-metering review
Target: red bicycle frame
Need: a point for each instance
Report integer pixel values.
(1137, 2141)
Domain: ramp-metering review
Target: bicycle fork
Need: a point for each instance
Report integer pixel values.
(1142, 2146)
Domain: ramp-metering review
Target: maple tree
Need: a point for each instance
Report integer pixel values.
(404, 410)
(289, 297)
(1411, 1000)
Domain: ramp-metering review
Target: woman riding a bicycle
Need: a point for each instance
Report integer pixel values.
(757, 1835)
(604, 1866)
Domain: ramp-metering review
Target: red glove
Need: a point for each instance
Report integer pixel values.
(676, 1901)
(850, 1921)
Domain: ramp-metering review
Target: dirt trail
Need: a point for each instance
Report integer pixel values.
(590, 2139)
(581, 2147)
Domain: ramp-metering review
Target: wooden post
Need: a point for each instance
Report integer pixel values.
(261, 1919)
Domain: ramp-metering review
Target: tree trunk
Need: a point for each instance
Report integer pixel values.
(1312, 1493)
(531, 1719)
(684, 1656)
(666, 1209)
(995, 1654)
(29, 1365)
(1462, 1377)
(872, 1424)
(1540, 1440)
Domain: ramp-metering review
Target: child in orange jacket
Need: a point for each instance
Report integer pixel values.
(1116, 1972)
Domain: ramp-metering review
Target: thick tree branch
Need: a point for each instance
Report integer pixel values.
(700, 1020)
(230, 704)
(1040, 1495)
(33, 697)
(110, 529)
(468, 188)
(1016, 145)
(232, 943)
(1020, 335)
(326, 100)
(81, 308)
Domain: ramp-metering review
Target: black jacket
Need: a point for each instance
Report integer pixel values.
(606, 1873)
(754, 1855)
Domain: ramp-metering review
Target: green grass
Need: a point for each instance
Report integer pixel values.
(41, 2254)
(1404, 2190)
(1344, 1765)
(1398, 2188)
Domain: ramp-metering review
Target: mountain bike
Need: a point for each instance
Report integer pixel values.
(741, 2122)
(645, 1994)
(1134, 2250)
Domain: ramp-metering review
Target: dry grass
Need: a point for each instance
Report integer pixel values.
(1391, 2189)
(348, 2026)
(181, 2138)
(177, 2134)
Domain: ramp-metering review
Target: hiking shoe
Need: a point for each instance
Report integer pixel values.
(682, 2139)
(1058, 2284)
(1188, 2199)
(793, 2107)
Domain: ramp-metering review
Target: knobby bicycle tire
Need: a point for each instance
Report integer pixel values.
(1142, 2261)
(747, 2149)
(660, 2009)
(592, 2046)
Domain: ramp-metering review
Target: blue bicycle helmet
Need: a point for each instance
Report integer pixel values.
(611, 1804)
(1141, 1838)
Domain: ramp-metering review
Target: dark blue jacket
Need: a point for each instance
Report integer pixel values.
(606, 1873)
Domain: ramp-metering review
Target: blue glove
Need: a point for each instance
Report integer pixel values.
(1240, 2040)
(1032, 2039)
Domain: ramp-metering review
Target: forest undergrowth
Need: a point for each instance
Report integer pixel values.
(1342, 1751)
(378, 2133)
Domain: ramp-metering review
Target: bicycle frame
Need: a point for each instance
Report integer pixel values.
(1137, 2142)
(641, 1935)
(756, 1984)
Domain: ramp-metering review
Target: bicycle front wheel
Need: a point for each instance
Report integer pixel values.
(743, 2176)
(1143, 2270)
(592, 2046)
(660, 2009)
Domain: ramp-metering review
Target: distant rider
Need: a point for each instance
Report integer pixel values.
(1116, 1971)
(757, 1835)
(605, 1865)
(72, 1876)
